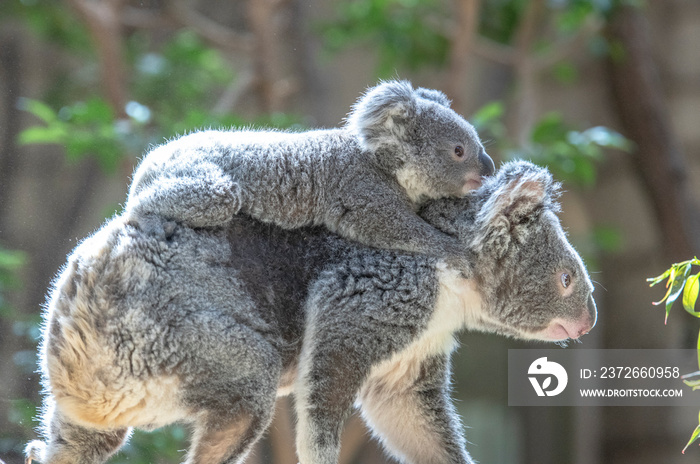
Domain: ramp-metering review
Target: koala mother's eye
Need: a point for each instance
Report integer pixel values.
(565, 280)
(459, 152)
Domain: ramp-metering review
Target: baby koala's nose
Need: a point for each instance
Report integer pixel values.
(486, 164)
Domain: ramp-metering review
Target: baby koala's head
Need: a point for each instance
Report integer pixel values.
(414, 134)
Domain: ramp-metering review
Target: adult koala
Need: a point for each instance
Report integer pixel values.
(209, 326)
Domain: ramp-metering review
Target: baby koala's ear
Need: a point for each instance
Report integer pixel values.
(517, 194)
(381, 115)
(434, 95)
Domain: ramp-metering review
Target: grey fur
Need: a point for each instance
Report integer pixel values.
(364, 181)
(208, 325)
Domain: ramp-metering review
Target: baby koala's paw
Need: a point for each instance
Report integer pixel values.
(224, 199)
(235, 194)
(209, 205)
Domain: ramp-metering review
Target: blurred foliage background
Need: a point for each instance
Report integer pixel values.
(603, 92)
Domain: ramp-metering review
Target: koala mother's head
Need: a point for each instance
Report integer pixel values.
(532, 283)
(415, 136)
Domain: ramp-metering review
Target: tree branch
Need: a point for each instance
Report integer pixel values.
(494, 51)
(141, 18)
(525, 72)
(462, 39)
(103, 19)
(567, 47)
(213, 32)
(266, 55)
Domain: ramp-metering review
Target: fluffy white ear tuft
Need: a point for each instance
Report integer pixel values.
(521, 197)
(518, 192)
(380, 116)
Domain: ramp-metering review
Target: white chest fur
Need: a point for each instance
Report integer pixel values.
(458, 305)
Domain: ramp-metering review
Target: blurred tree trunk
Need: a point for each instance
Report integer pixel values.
(640, 104)
(646, 434)
(464, 33)
(104, 21)
(11, 76)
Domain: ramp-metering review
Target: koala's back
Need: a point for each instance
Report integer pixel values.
(276, 266)
(126, 318)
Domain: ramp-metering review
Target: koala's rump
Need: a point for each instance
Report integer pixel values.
(121, 321)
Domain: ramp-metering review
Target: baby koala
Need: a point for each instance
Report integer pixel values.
(364, 181)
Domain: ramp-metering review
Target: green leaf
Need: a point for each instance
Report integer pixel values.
(693, 437)
(606, 137)
(672, 275)
(403, 32)
(655, 280)
(93, 111)
(698, 347)
(549, 129)
(574, 16)
(12, 259)
(39, 109)
(607, 238)
(692, 383)
(677, 284)
(53, 134)
(565, 72)
(487, 114)
(690, 294)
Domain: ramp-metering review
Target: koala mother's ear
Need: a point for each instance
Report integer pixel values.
(382, 114)
(513, 200)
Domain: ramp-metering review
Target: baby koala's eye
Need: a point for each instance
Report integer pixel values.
(459, 151)
(565, 280)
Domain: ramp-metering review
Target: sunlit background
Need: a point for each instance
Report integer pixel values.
(606, 93)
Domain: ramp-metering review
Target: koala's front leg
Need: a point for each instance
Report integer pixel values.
(394, 225)
(417, 424)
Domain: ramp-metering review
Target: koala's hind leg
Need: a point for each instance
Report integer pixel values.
(204, 198)
(226, 439)
(232, 395)
(69, 443)
(230, 423)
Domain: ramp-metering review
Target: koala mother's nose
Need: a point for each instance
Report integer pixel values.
(486, 163)
(592, 310)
